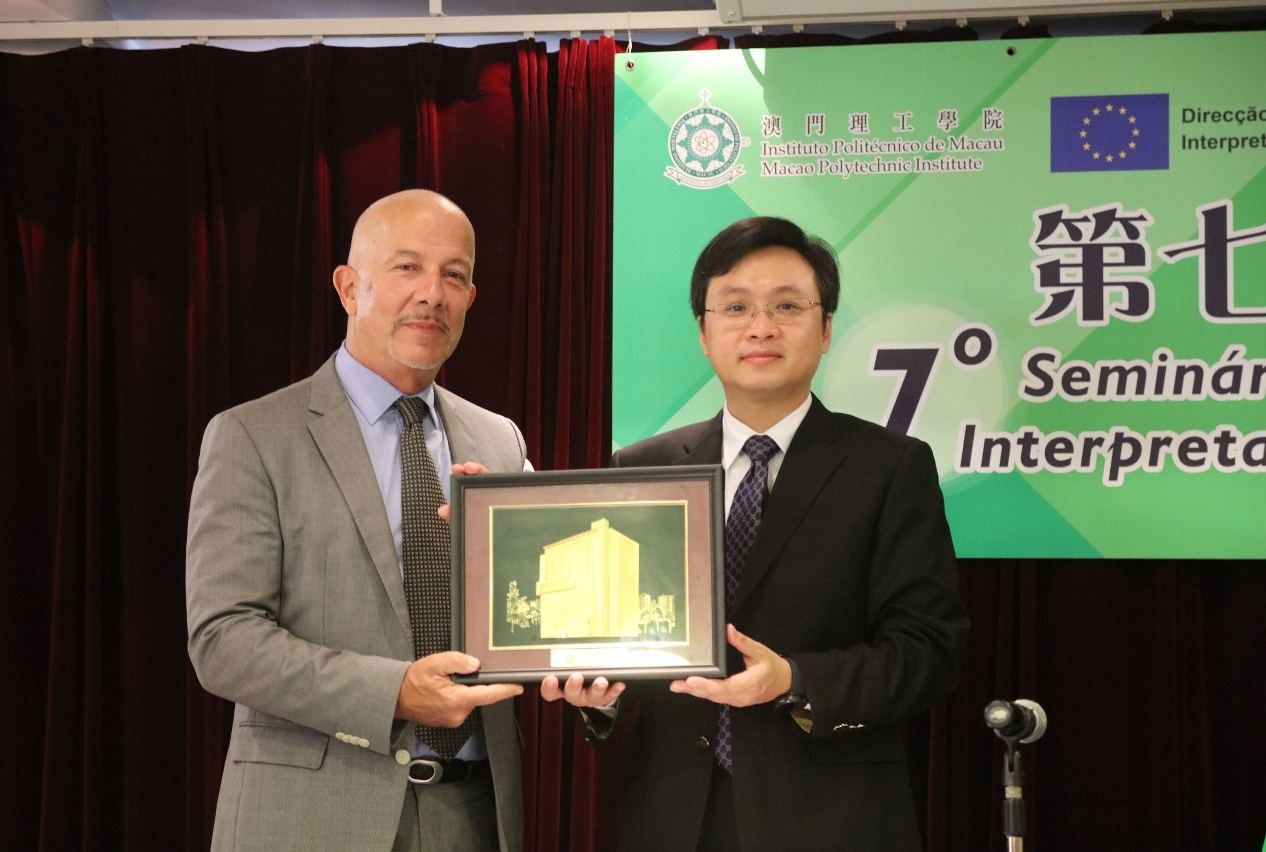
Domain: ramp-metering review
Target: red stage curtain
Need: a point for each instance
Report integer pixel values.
(168, 223)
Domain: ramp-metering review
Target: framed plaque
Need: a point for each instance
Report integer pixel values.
(618, 573)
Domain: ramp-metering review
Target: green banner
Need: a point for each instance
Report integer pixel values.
(1053, 256)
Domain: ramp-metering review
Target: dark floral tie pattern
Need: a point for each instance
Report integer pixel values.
(740, 532)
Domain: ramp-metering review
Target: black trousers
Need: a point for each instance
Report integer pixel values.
(720, 827)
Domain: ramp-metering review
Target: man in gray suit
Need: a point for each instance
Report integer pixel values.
(309, 519)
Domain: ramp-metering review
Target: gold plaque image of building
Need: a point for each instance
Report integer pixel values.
(588, 586)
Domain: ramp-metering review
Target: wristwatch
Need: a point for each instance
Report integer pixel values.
(789, 701)
(795, 703)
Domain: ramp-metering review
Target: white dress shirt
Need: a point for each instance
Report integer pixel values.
(734, 434)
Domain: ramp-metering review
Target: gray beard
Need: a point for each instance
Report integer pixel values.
(416, 365)
(419, 365)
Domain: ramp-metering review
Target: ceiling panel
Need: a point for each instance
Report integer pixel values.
(202, 9)
(28, 10)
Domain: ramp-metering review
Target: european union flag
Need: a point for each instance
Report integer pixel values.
(1110, 133)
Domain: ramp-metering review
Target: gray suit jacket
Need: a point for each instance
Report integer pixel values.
(296, 612)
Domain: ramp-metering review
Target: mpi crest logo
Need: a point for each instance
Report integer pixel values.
(704, 146)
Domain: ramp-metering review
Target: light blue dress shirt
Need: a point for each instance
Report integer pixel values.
(373, 399)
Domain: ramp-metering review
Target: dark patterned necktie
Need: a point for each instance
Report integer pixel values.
(427, 566)
(740, 532)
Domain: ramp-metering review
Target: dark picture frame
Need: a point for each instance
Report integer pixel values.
(617, 572)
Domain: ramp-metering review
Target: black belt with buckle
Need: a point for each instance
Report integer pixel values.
(425, 770)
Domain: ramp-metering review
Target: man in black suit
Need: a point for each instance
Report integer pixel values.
(843, 613)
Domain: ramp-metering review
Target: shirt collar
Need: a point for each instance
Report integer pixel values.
(734, 433)
(373, 395)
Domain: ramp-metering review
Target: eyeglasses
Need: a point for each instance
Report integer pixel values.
(744, 313)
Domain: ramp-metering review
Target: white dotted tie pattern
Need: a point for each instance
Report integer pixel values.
(427, 564)
(740, 532)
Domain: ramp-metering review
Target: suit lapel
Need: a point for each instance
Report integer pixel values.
(460, 446)
(812, 459)
(708, 449)
(338, 437)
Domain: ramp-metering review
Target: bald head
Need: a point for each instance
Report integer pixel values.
(407, 284)
(375, 224)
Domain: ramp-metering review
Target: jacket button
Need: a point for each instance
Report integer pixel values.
(403, 757)
(702, 742)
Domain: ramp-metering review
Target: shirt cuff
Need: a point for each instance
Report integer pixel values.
(607, 710)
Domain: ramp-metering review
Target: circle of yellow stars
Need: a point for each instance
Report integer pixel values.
(1109, 109)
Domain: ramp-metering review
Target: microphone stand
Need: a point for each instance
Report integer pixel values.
(1023, 721)
(1013, 804)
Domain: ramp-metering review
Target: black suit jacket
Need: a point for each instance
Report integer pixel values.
(853, 576)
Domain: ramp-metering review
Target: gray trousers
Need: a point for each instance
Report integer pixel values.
(461, 816)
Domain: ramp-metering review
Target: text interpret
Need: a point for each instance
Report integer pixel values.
(1052, 257)
(1251, 116)
(1091, 268)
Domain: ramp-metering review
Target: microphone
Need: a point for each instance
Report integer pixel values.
(1022, 719)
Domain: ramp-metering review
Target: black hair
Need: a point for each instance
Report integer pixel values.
(748, 236)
